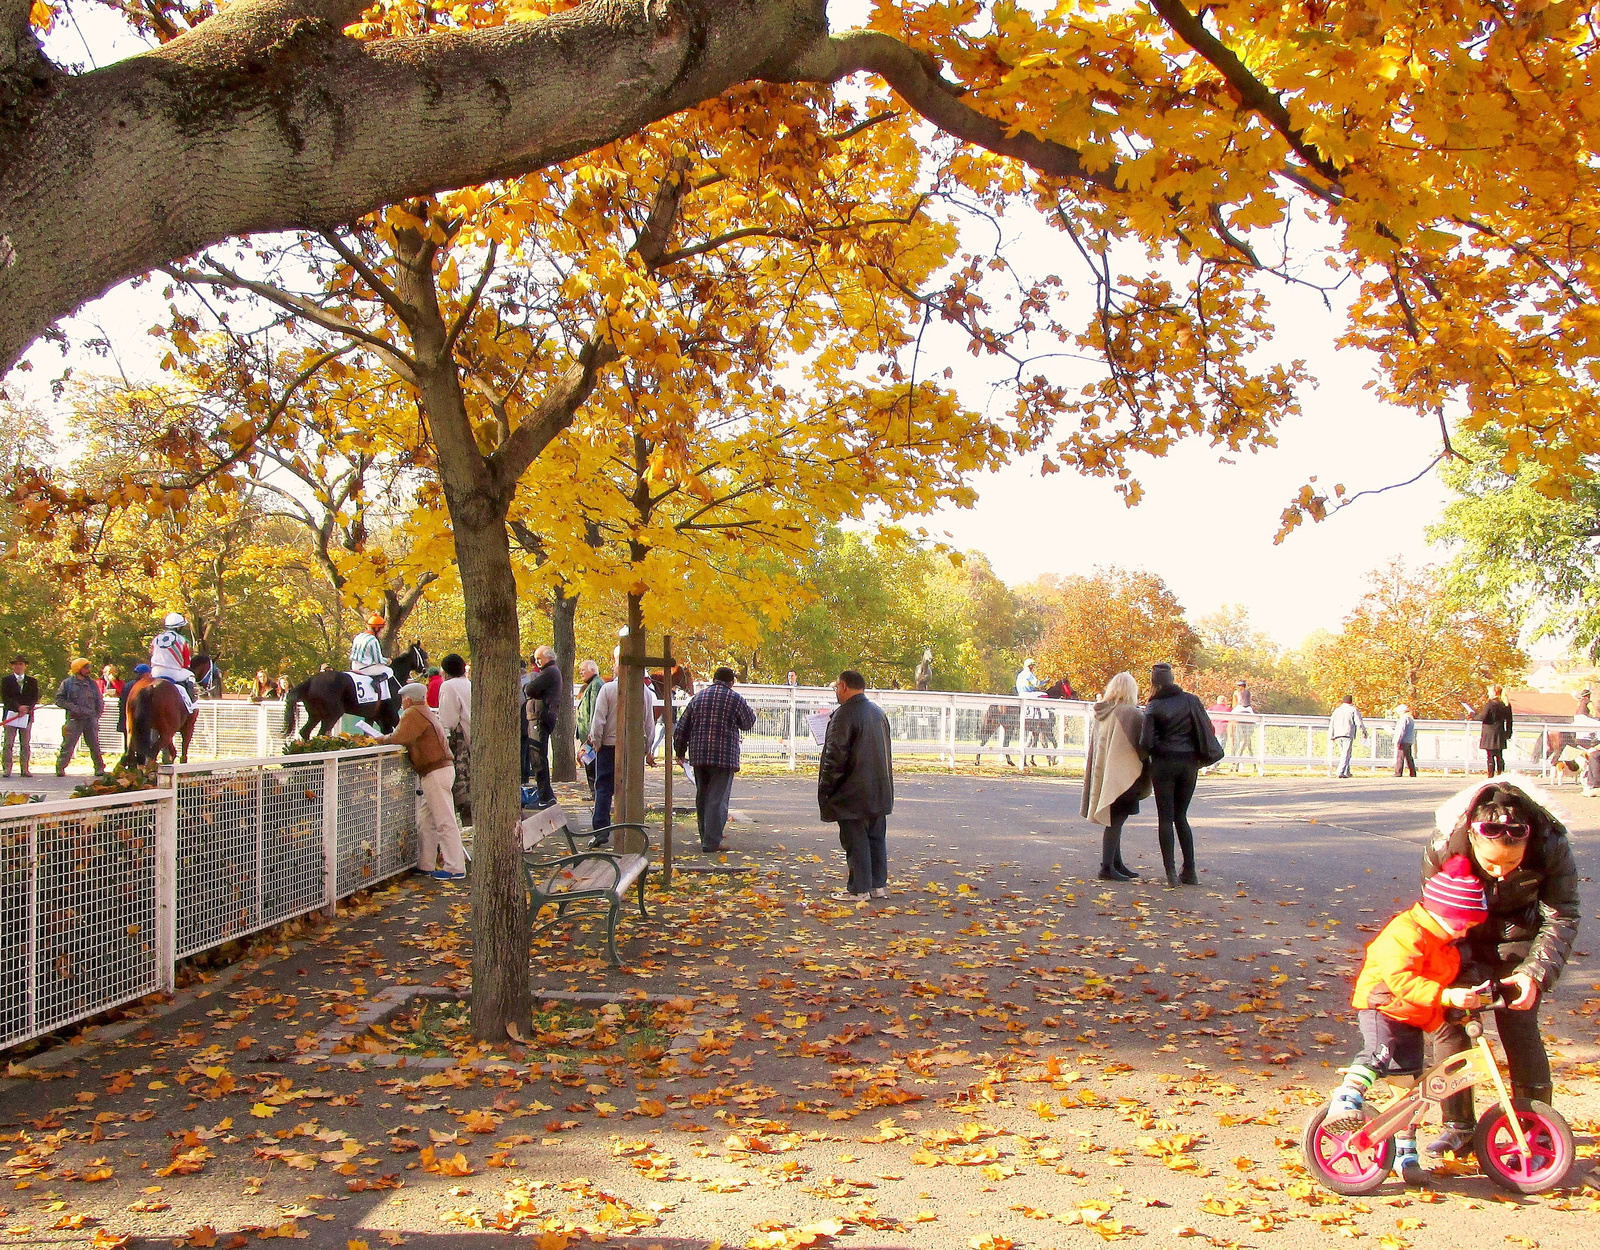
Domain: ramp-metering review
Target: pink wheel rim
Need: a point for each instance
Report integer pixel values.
(1543, 1163)
(1344, 1161)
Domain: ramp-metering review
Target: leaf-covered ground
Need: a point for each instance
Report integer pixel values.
(1005, 1052)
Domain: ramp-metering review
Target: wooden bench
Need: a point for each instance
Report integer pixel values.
(599, 875)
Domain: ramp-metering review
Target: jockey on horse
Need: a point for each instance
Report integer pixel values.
(171, 655)
(367, 659)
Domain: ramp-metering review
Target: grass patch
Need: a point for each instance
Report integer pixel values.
(430, 1029)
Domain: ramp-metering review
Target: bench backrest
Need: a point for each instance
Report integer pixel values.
(539, 825)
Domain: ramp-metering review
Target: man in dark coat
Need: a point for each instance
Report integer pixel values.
(1521, 854)
(1496, 733)
(19, 692)
(855, 786)
(541, 691)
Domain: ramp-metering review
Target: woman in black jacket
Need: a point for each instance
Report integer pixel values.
(1496, 733)
(1521, 854)
(1174, 737)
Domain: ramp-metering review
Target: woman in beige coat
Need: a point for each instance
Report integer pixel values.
(1115, 776)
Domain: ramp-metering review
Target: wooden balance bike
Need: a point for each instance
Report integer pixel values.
(1521, 1145)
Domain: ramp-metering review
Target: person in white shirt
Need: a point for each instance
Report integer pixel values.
(603, 737)
(1343, 726)
(455, 717)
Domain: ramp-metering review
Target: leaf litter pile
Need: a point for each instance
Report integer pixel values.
(987, 1059)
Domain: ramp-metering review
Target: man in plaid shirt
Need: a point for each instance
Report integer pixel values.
(708, 732)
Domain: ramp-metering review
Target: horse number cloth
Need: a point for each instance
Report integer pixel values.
(366, 689)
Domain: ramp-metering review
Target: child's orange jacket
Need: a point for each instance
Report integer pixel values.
(1407, 968)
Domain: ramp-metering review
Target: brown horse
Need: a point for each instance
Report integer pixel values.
(156, 714)
(680, 678)
(1007, 720)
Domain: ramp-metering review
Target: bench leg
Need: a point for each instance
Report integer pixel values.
(643, 877)
(611, 933)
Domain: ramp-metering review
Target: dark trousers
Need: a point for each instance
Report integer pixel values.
(588, 775)
(866, 850)
(1519, 1034)
(1173, 778)
(1496, 761)
(712, 786)
(87, 728)
(1111, 840)
(1405, 756)
(538, 769)
(1389, 1047)
(605, 784)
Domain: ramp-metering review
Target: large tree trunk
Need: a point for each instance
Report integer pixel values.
(500, 987)
(563, 621)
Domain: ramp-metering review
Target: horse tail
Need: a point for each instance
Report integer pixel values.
(291, 702)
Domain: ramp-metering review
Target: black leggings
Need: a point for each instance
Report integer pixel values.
(1497, 760)
(1525, 1056)
(1173, 777)
(1111, 839)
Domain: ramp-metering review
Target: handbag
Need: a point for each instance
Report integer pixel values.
(1208, 748)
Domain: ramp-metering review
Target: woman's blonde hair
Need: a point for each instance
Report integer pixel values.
(1121, 689)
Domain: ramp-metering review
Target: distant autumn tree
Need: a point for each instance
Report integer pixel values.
(1112, 620)
(1413, 640)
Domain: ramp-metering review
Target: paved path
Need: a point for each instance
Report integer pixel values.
(1004, 1050)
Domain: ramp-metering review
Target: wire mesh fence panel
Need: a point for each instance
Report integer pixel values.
(78, 909)
(218, 860)
(359, 782)
(292, 870)
(397, 816)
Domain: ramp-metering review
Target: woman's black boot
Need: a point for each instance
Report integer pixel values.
(1189, 876)
(1110, 853)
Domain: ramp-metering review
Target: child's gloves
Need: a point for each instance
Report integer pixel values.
(1462, 997)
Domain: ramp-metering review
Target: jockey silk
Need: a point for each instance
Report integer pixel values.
(170, 656)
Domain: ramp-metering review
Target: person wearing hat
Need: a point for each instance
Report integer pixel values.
(80, 698)
(1405, 741)
(1402, 991)
(1028, 682)
(1519, 851)
(19, 693)
(1582, 708)
(171, 655)
(367, 658)
(441, 854)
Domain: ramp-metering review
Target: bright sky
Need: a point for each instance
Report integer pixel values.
(1206, 527)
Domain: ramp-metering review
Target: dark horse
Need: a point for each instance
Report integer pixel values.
(154, 715)
(1005, 718)
(330, 695)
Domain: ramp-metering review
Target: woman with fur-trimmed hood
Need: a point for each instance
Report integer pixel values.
(1116, 775)
(1508, 829)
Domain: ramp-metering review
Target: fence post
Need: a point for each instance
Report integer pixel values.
(330, 834)
(1022, 733)
(1261, 746)
(263, 742)
(792, 693)
(950, 732)
(166, 936)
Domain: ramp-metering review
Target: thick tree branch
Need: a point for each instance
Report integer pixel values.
(266, 117)
(1254, 93)
(554, 412)
(915, 78)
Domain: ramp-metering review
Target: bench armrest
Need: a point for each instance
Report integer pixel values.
(634, 839)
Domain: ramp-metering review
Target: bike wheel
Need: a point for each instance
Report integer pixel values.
(1550, 1147)
(1338, 1165)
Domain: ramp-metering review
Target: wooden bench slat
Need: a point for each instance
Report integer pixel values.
(600, 874)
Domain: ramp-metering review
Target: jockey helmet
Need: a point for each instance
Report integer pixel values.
(175, 620)
(375, 621)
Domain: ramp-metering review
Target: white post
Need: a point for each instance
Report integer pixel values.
(1311, 741)
(950, 732)
(263, 732)
(1261, 747)
(1022, 733)
(330, 834)
(166, 935)
(792, 693)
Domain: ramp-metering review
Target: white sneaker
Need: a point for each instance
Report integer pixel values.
(844, 896)
(880, 893)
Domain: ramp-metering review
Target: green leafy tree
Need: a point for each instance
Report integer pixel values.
(1534, 558)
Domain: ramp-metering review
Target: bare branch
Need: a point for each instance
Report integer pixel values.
(554, 413)
(471, 305)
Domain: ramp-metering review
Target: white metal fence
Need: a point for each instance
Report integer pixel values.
(959, 729)
(225, 729)
(100, 897)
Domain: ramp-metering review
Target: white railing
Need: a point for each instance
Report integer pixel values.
(959, 729)
(100, 897)
(225, 729)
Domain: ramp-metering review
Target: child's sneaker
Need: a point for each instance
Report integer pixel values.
(1453, 1139)
(1409, 1166)
(1345, 1111)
